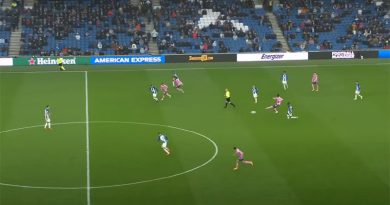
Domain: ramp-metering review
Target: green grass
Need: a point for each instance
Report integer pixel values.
(336, 153)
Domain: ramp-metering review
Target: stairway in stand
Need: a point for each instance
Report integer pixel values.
(153, 48)
(279, 34)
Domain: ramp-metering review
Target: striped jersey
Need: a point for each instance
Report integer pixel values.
(289, 108)
(284, 77)
(255, 90)
(358, 87)
(153, 89)
(47, 113)
(162, 138)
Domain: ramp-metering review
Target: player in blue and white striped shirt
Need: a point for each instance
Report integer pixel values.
(164, 142)
(357, 91)
(284, 80)
(154, 92)
(255, 93)
(290, 112)
(47, 117)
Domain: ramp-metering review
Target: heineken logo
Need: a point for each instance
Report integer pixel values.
(31, 61)
(50, 61)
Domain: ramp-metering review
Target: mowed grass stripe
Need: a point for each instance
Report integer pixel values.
(293, 165)
(188, 110)
(362, 125)
(325, 141)
(230, 129)
(252, 127)
(131, 101)
(36, 157)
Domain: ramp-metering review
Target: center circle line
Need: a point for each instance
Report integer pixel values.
(124, 184)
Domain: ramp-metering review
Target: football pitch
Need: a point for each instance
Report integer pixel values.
(103, 149)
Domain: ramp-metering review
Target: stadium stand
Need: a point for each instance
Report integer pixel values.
(9, 20)
(187, 26)
(122, 27)
(334, 24)
(85, 27)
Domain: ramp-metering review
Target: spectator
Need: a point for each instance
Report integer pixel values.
(214, 44)
(154, 35)
(134, 47)
(142, 50)
(235, 36)
(99, 45)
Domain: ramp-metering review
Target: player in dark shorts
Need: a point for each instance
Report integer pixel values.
(227, 98)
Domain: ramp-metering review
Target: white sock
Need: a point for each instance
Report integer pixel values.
(49, 125)
(166, 150)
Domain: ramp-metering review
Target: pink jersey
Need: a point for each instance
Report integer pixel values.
(239, 153)
(177, 82)
(164, 88)
(278, 100)
(314, 78)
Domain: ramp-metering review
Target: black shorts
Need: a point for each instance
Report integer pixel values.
(60, 64)
(241, 159)
(228, 99)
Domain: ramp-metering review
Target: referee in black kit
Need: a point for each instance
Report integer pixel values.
(227, 98)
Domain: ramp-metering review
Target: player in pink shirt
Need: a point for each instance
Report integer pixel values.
(177, 83)
(164, 90)
(278, 102)
(240, 156)
(314, 82)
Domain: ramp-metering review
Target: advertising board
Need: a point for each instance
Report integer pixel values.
(105, 60)
(272, 56)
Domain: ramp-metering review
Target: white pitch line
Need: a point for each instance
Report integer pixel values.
(28, 127)
(203, 68)
(38, 72)
(87, 140)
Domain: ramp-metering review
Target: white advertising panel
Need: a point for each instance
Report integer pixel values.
(272, 56)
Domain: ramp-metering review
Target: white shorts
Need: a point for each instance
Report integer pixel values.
(289, 114)
(154, 95)
(255, 95)
(284, 82)
(48, 120)
(357, 92)
(164, 145)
